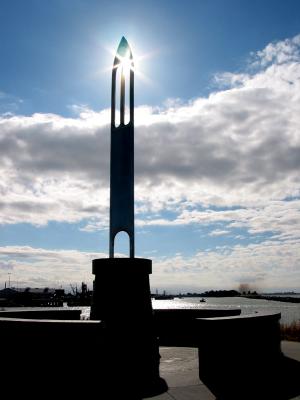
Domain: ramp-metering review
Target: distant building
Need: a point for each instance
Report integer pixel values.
(32, 296)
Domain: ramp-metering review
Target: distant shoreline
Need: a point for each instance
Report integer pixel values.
(285, 299)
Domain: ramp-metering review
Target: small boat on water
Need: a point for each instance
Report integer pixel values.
(202, 300)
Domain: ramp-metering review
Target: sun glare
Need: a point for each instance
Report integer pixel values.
(125, 62)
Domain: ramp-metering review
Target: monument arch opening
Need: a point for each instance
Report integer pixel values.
(122, 244)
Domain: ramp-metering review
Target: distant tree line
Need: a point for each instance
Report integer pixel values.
(220, 293)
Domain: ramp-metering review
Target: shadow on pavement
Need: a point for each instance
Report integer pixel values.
(279, 382)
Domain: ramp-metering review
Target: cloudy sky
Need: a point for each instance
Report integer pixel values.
(217, 140)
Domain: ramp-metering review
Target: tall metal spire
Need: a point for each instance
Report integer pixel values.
(122, 153)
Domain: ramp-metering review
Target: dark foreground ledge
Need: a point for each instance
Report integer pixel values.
(46, 357)
(74, 358)
(40, 313)
(239, 354)
(179, 327)
(80, 358)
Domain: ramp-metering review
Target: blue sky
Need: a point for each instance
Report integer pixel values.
(217, 140)
(52, 52)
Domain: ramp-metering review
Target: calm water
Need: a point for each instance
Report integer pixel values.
(290, 312)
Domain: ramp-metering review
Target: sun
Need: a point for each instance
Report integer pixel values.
(127, 60)
(124, 58)
(126, 63)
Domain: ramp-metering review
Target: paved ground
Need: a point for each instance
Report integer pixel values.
(179, 367)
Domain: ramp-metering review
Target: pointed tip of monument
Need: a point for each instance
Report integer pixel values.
(123, 47)
(124, 41)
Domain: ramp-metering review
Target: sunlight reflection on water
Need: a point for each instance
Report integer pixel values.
(290, 312)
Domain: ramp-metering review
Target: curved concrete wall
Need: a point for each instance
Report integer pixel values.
(56, 355)
(41, 313)
(177, 327)
(75, 358)
(236, 352)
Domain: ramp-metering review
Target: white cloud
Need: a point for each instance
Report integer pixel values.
(239, 146)
(268, 265)
(280, 52)
(35, 266)
(278, 218)
(218, 232)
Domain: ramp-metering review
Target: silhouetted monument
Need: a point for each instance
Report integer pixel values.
(121, 296)
(122, 154)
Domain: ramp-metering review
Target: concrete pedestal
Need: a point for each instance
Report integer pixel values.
(122, 301)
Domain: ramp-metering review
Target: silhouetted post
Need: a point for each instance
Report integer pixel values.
(122, 153)
(121, 297)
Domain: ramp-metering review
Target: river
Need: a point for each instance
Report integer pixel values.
(290, 312)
